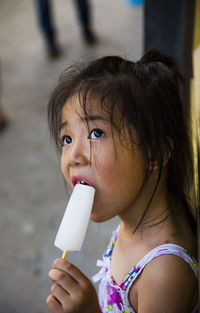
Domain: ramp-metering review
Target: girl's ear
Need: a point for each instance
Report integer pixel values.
(167, 148)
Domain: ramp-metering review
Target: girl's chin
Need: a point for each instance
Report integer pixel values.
(97, 218)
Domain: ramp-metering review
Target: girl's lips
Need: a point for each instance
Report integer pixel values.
(77, 179)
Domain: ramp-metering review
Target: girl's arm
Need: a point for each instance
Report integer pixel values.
(167, 284)
(72, 292)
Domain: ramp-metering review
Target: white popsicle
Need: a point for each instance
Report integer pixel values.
(73, 227)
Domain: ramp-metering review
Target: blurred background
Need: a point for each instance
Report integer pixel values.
(37, 41)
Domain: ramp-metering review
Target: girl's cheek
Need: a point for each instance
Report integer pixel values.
(96, 162)
(97, 153)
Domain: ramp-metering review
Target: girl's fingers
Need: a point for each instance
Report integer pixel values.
(53, 304)
(73, 291)
(69, 268)
(64, 279)
(59, 293)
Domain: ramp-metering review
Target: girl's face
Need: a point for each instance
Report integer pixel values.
(93, 152)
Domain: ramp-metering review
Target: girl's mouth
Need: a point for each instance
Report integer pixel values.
(82, 183)
(80, 180)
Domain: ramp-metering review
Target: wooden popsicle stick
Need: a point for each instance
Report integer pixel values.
(64, 254)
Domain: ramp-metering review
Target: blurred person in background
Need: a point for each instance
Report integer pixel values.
(46, 23)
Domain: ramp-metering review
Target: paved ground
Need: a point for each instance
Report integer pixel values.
(32, 193)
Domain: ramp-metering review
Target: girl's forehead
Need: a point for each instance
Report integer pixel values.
(73, 107)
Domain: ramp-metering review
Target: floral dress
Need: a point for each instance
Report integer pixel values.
(113, 298)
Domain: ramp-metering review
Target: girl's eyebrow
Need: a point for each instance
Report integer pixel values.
(63, 125)
(88, 118)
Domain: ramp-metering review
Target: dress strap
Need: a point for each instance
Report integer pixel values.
(161, 250)
(170, 249)
(111, 244)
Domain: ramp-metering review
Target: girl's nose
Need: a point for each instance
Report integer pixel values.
(79, 154)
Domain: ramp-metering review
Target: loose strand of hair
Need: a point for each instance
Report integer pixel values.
(149, 203)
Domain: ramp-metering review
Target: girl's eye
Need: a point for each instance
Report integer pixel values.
(96, 133)
(66, 140)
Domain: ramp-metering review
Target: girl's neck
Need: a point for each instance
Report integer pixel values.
(141, 213)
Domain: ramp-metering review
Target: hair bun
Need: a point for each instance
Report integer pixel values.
(153, 55)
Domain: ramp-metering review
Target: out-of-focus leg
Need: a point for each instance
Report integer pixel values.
(84, 14)
(46, 24)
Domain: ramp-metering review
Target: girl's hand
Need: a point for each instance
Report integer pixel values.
(72, 292)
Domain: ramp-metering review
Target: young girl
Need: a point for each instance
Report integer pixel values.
(121, 127)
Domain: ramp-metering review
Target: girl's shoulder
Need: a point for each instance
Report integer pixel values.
(167, 281)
